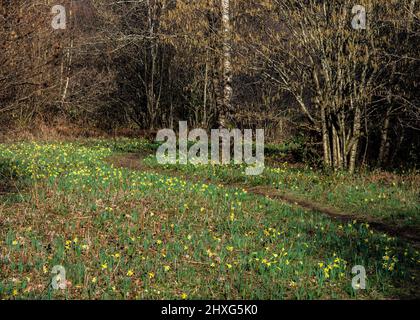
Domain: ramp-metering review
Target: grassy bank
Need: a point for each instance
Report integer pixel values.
(121, 233)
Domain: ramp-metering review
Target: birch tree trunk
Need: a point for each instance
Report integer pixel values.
(227, 65)
(206, 75)
(64, 89)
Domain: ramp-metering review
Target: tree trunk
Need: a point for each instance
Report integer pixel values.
(337, 161)
(325, 138)
(354, 145)
(206, 75)
(151, 62)
(224, 115)
(411, 13)
(383, 149)
(64, 89)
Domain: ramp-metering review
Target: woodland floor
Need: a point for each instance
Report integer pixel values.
(126, 227)
(134, 161)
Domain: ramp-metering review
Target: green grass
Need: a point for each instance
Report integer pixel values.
(388, 197)
(140, 235)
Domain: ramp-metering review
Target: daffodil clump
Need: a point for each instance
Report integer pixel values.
(333, 268)
(37, 161)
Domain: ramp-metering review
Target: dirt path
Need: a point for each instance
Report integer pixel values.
(407, 233)
(134, 162)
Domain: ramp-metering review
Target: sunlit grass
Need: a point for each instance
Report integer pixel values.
(142, 235)
(394, 199)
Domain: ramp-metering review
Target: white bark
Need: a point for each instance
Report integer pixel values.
(227, 64)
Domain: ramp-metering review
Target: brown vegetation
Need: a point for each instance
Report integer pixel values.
(288, 66)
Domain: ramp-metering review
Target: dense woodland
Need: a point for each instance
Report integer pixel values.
(89, 211)
(296, 68)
